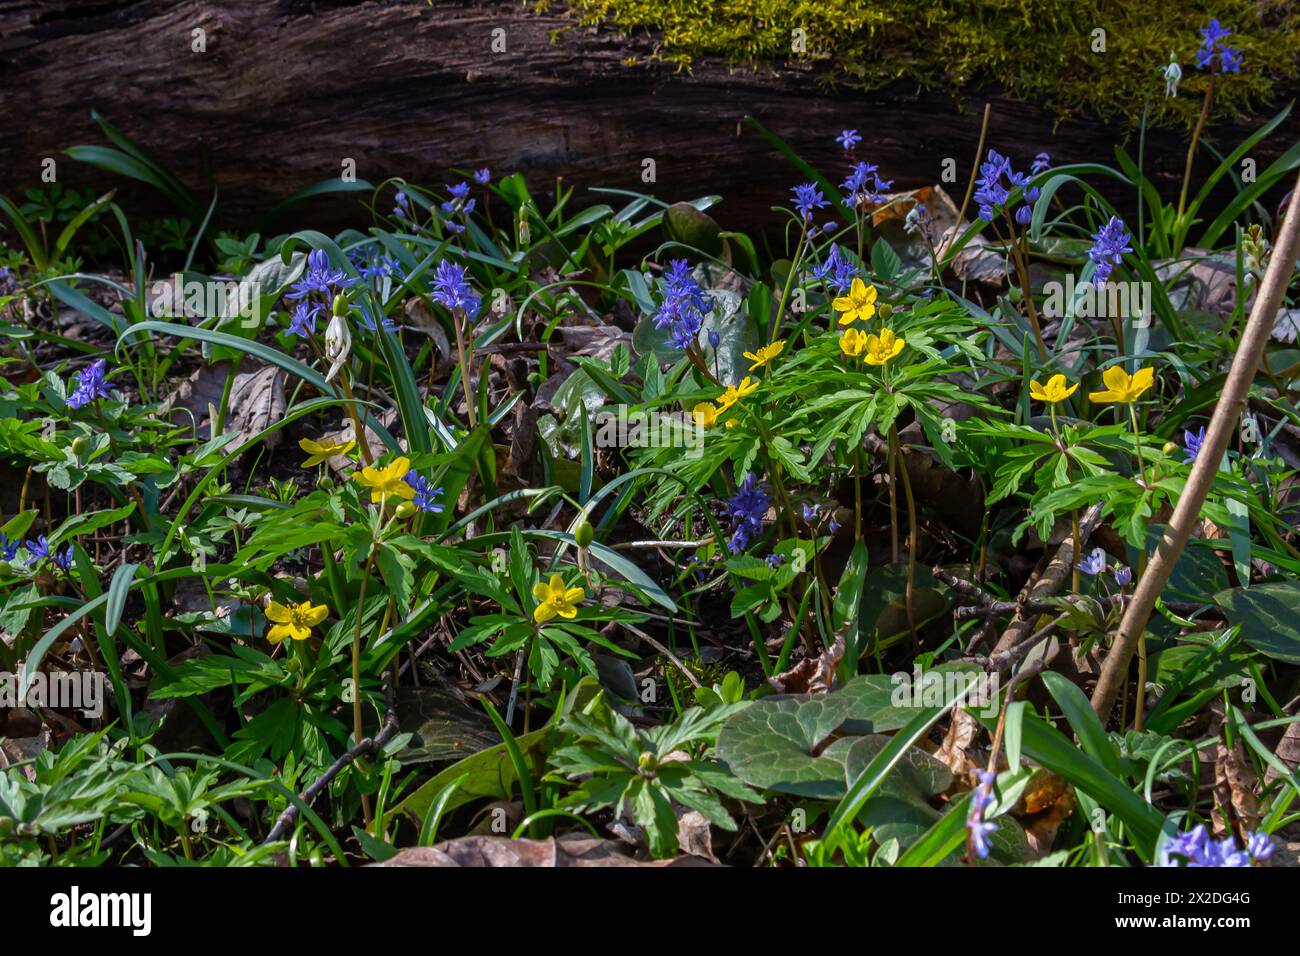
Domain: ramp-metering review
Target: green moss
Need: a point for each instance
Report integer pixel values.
(1038, 49)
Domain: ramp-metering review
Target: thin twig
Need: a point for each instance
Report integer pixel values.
(367, 747)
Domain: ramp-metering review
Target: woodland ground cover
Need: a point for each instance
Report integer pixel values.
(579, 517)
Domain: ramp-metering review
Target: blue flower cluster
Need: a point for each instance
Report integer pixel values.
(90, 385)
(684, 305)
(864, 185)
(980, 800)
(1193, 441)
(746, 509)
(425, 494)
(451, 288)
(38, 548)
(837, 271)
(1198, 850)
(807, 197)
(321, 281)
(1212, 47)
(991, 194)
(1109, 243)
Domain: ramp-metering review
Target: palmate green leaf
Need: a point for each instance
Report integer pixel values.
(780, 743)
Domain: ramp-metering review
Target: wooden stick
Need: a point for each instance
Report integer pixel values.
(1188, 510)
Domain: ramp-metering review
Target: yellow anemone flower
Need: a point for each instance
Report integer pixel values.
(387, 481)
(1054, 392)
(881, 348)
(765, 354)
(321, 451)
(294, 621)
(860, 303)
(555, 600)
(853, 342)
(1122, 387)
(735, 393)
(705, 414)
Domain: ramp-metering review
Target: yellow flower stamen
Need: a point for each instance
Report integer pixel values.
(765, 354)
(883, 347)
(853, 342)
(294, 621)
(860, 303)
(1055, 390)
(556, 600)
(387, 481)
(1122, 387)
(735, 393)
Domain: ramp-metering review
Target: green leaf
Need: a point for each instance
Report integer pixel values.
(785, 743)
(1269, 618)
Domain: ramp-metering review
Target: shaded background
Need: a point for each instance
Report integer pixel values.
(288, 89)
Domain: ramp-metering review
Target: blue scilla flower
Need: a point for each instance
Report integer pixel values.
(1123, 575)
(807, 197)
(684, 305)
(1041, 162)
(1198, 849)
(459, 190)
(452, 290)
(483, 176)
(1109, 244)
(1094, 563)
(1213, 35)
(746, 509)
(320, 278)
(63, 559)
(368, 321)
(426, 496)
(37, 548)
(980, 800)
(856, 181)
(402, 209)
(303, 320)
(8, 547)
(1192, 441)
(90, 385)
(837, 271)
(848, 138)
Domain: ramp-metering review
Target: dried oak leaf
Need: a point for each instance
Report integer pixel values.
(1236, 806)
(571, 849)
(812, 675)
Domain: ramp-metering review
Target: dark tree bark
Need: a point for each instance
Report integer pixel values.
(288, 89)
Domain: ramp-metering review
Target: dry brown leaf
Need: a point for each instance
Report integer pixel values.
(571, 849)
(1046, 803)
(257, 401)
(956, 751)
(812, 675)
(1236, 808)
(1288, 751)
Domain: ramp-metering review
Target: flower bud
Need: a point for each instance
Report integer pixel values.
(584, 534)
(406, 509)
(79, 445)
(1170, 448)
(338, 343)
(885, 310)
(340, 305)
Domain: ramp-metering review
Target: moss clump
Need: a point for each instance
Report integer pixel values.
(1039, 49)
